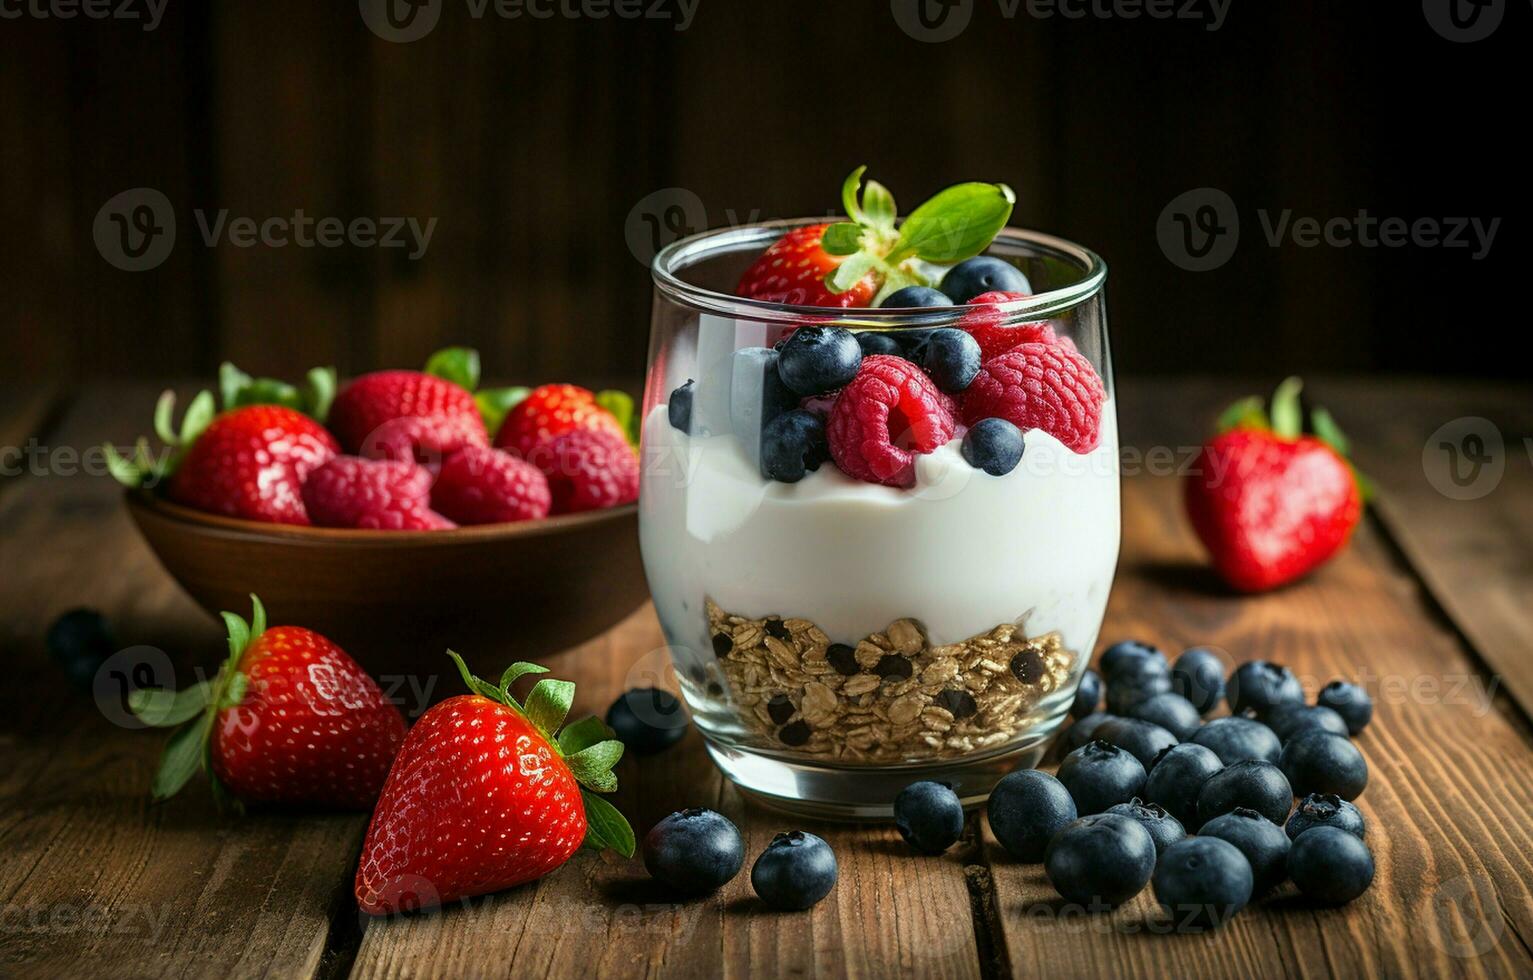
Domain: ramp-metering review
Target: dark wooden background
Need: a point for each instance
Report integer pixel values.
(531, 141)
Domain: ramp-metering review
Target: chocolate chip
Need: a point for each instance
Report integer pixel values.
(795, 734)
(779, 709)
(722, 644)
(843, 658)
(775, 628)
(892, 667)
(1028, 666)
(714, 690)
(959, 704)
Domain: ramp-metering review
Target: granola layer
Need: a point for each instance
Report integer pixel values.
(893, 696)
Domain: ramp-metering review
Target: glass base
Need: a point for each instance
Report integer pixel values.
(866, 793)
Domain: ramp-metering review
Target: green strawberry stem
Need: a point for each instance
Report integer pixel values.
(957, 224)
(1283, 417)
(237, 389)
(587, 746)
(193, 712)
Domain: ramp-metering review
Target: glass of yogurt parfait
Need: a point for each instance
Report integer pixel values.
(879, 511)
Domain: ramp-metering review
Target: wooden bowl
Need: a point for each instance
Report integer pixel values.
(397, 600)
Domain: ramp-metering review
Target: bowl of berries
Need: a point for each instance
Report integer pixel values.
(401, 512)
(879, 508)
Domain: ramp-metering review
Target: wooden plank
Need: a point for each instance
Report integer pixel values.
(891, 914)
(94, 880)
(1450, 802)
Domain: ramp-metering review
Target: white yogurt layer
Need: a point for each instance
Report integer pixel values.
(961, 551)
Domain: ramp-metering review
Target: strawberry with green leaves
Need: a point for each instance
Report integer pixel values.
(290, 719)
(1270, 502)
(487, 793)
(871, 255)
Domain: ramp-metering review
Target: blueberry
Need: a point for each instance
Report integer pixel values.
(1026, 809)
(1136, 680)
(877, 342)
(1330, 865)
(1260, 686)
(80, 641)
(756, 396)
(1350, 701)
(1141, 739)
(1290, 720)
(983, 274)
(816, 360)
(914, 298)
(1237, 739)
(1255, 785)
(1177, 776)
(929, 816)
(795, 871)
(1170, 711)
(1088, 695)
(950, 356)
(1164, 829)
(1325, 810)
(1198, 676)
(995, 446)
(1125, 651)
(1319, 762)
(1202, 882)
(792, 445)
(694, 851)
(1262, 842)
(1103, 859)
(1099, 774)
(1084, 729)
(679, 408)
(647, 720)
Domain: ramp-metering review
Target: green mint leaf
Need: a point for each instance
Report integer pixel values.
(495, 403)
(849, 195)
(1287, 416)
(122, 470)
(606, 827)
(878, 205)
(1328, 432)
(548, 703)
(160, 708)
(180, 760)
(239, 634)
(592, 766)
(460, 365)
(620, 405)
(850, 272)
(580, 735)
(198, 414)
(322, 387)
(164, 417)
(231, 382)
(842, 238)
(1246, 413)
(957, 224)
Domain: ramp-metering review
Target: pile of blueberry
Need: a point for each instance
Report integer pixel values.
(1141, 775)
(697, 851)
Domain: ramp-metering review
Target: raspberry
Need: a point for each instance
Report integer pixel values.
(986, 324)
(551, 411)
(889, 414)
(1041, 386)
(405, 415)
(479, 485)
(389, 495)
(588, 469)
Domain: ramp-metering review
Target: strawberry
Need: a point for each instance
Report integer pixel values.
(378, 494)
(289, 719)
(1269, 503)
(487, 793)
(869, 256)
(549, 411)
(406, 415)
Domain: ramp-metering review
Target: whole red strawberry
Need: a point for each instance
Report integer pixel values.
(376, 494)
(406, 415)
(550, 411)
(290, 719)
(251, 463)
(793, 269)
(1268, 502)
(589, 469)
(487, 793)
(479, 485)
(1041, 386)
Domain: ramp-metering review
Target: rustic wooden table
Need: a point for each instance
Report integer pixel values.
(1431, 605)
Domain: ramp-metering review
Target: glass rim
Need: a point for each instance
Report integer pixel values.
(686, 252)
